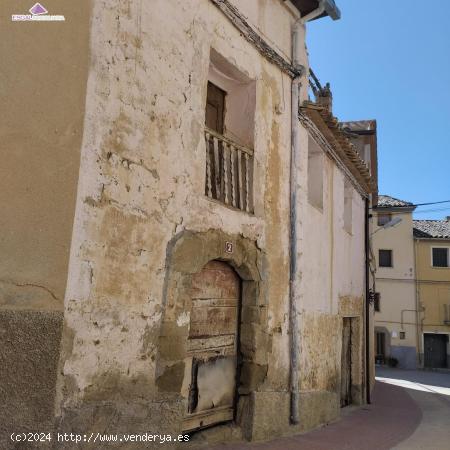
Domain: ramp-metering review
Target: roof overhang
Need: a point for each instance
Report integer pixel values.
(404, 209)
(307, 6)
(330, 129)
(360, 127)
(445, 240)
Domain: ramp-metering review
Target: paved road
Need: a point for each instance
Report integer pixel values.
(410, 411)
(431, 391)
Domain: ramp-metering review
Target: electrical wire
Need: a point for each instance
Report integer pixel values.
(432, 210)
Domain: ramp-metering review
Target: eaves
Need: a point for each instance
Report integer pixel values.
(344, 151)
(317, 135)
(430, 238)
(397, 209)
(254, 38)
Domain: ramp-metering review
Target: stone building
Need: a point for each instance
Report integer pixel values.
(183, 245)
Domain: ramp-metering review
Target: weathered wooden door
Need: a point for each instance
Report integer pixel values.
(435, 350)
(381, 346)
(346, 362)
(215, 108)
(212, 346)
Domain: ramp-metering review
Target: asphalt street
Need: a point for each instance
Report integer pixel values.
(410, 411)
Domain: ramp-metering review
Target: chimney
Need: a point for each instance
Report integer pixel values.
(325, 98)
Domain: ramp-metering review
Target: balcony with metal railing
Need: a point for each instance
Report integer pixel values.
(229, 172)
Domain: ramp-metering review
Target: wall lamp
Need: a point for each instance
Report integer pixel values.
(391, 223)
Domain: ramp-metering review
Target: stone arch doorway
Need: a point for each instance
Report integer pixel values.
(212, 346)
(187, 254)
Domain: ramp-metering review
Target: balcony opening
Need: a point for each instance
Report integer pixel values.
(229, 134)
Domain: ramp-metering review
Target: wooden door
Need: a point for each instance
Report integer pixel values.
(381, 346)
(346, 362)
(435, 350)
(212, 346)
(215, 108)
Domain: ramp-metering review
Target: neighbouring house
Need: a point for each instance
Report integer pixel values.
(184, 234)
(432, 250)
(412, 293)
(395, 305)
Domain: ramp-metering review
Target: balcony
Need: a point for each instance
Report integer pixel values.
(229, 172)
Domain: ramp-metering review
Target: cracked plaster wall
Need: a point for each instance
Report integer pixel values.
(331, 275)
(142, 182)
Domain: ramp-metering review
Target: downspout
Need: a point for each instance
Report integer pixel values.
(367, 305)
(293, 324)
(295, 148)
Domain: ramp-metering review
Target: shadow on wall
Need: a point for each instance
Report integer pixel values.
(406, 356)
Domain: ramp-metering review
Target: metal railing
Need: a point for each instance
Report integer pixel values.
(229, 171)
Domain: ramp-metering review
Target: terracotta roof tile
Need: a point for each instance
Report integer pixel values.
(386, 201)
(437, 229)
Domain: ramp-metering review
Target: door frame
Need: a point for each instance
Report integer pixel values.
(186, 254)
(238, 360)
(383, 345)
(435, 332)
(349, 361)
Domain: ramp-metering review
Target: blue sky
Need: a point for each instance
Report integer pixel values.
(389, 60)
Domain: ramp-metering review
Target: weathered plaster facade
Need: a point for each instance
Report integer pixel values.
(143, 227)
(433, 298)
(414, 291)
(397, 317)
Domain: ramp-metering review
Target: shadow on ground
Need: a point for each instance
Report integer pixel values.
(391, 418)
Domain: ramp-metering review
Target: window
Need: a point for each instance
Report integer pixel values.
(376, 302)
(229, 134)
(384, 219)
(348, 200)
(440, 257)
(385, 258)
(402, 334)
(315, 174)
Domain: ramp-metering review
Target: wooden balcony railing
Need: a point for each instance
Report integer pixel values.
(229, 171)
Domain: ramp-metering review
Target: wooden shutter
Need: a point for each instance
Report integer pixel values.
(215, 108)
